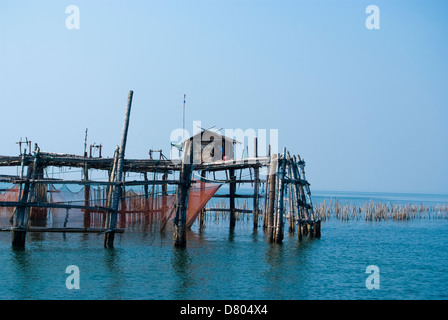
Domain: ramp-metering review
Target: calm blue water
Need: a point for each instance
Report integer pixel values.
(412, 257)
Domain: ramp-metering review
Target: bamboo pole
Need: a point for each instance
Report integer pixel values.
(109, 237)
(271, 200)
(202, 214)
(232, 188)
(266, 202)
(256, 186)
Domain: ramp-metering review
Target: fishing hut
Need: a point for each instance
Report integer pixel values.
(281, 193)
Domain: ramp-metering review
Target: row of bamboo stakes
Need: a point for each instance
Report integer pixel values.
(379, 211)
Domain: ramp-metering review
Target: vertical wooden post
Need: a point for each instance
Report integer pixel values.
(145, 187)
(86, 196)
(165, 186)
(202, 214)
(266, 198)
(19, 230)
(124, 206)
(109, 236)
(271, 201)
(317, 228)
(232, 197)
(110, 189)
(278, 238)
(180, 233)
(291, 193)
(38, 215)
(301, 203)
(256, 185)
(307, 188)
(301, 193)
(163, 211)
(266, 193)
(23, 212)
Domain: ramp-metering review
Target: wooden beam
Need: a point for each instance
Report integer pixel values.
(228, 210)
(68, 230)
(95, 183)
(52, 205)
(243, 196)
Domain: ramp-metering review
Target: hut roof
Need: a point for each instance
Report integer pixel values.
(212, 133)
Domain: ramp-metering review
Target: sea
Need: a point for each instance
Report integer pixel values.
(352, 260)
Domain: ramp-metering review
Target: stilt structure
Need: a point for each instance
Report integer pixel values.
(286, 191)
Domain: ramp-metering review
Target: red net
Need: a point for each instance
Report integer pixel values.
(134, 206)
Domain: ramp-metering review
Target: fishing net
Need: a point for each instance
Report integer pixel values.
(136, 207)
(6, 213)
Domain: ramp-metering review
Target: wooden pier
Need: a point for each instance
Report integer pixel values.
(285, 196)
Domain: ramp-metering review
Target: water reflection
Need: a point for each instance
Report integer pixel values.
(181, 263)
(231, 237)
(23, 276)
(116, 281)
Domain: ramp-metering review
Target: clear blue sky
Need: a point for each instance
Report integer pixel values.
(367, 109)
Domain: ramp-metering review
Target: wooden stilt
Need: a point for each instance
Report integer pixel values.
(20, 225)
(109, 236)
(307, 193)
(180, 235)
(256, 186)
(123, 208)
(291, 196)
(232, 197)
(86, 221)
(278, 237)
(317, 228)
(271, 201)
(145, 187)
(311, 228)
(38, 215)
(266, 197)
(19, 230)
(202, 214)
(164, 194)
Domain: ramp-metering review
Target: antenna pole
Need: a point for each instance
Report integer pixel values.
(85, 145)
(183, 118)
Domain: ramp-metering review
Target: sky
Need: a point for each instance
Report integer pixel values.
(366, 108)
